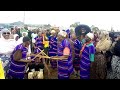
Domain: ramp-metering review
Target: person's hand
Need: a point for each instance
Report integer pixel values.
(28, 55)
(31, 60)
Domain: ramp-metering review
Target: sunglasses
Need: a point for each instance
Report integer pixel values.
(6, 33)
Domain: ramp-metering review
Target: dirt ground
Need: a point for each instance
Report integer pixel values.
(54, 74)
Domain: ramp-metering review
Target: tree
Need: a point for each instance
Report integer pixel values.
(75, 24)
(94, 29)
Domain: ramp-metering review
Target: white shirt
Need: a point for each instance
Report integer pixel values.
(33, 37)
(7, 46)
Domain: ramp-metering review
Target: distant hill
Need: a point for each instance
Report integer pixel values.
(7, 25)
(19, 23)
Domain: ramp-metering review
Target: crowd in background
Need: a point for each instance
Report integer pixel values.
(90, 55)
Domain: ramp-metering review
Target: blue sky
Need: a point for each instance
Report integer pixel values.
(102, 19)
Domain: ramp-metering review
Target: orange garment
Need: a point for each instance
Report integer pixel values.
(66, 51)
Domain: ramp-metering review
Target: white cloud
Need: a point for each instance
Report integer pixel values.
(102, 19)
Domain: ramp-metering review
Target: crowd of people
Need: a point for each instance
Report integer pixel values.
(89, 55)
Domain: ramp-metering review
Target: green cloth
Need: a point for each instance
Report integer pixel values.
(91, 55)
(23, 30)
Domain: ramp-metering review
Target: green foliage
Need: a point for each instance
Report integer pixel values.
(75, 24)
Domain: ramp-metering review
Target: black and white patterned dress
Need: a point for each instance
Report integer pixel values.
(115, 72)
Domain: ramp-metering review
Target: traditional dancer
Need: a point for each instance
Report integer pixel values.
(76, 60)
(18, 60)
(65, 67)
(87, 56)
(53, 48)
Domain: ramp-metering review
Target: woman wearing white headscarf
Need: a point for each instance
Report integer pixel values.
(6, 48)
(87, 56)
(16, 37)
(99, 67)
(65, 67)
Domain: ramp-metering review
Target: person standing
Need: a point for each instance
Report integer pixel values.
(6, 48)
(53, 48)
(115, 63)
(65, 67)
(18, 60)
(76, 60)
(33, 35)
(99, 67)
(87, 56)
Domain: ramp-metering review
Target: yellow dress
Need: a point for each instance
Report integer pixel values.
(46, 43)
(1, 71)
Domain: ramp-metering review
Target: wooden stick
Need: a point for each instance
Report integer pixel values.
(38, 54)
(44, 53)
(54, 58)
(59, 58)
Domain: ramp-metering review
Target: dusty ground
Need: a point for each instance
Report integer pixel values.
(54, 74)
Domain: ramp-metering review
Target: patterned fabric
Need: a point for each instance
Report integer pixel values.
(39, 42)
(115, 72)
(85, 61)
(76, 62)
(65, 67)
(99, 67)
(95, 40)
(6, 62)
(68, 33)
(17, 69)
(53, 50)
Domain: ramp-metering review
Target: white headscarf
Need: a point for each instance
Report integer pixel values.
(7, 46)
(62, 33)
(53, 31)
(2, 31)
(90, 35)
(16, 35)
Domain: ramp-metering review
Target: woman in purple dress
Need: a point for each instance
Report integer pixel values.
(77, 48)
(53, 48)
(87, 56)
(65, 67)
(38, 42)
(19, 60)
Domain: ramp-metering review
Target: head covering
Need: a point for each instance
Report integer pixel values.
(62, 33)
(104, 35)
(25, 39)
(78, 29)
(16, 35)
(90, 35)
(52, 31)
(5, 30)
(24, 33)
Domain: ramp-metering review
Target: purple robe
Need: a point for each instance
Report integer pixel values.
(53, 50)
(17, 69)
(65, 67)
(85, 62)
(76, 62)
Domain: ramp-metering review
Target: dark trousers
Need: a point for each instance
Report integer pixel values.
(46, 52)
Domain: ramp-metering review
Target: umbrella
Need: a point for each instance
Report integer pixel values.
(82, 30)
